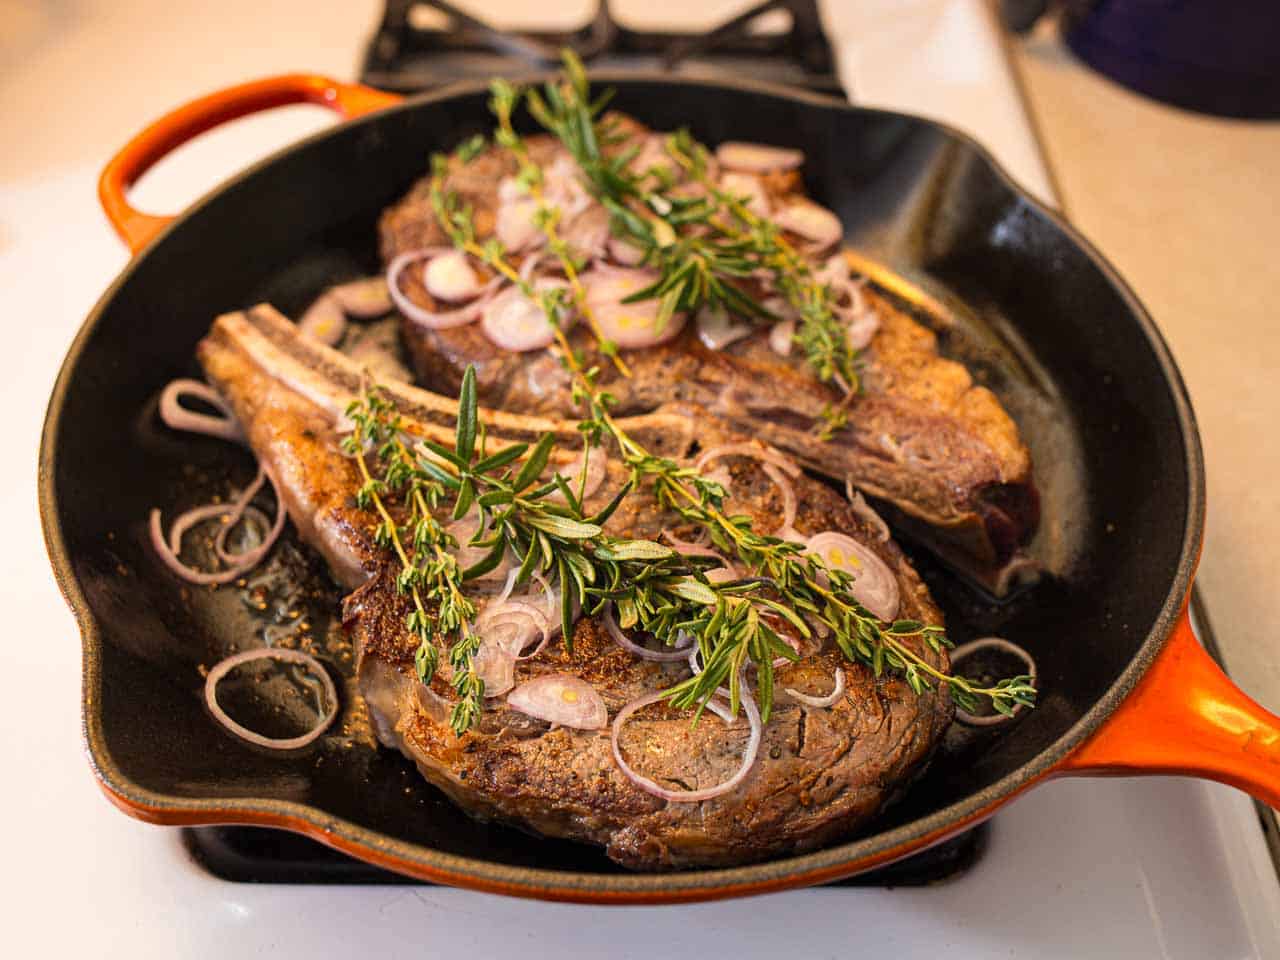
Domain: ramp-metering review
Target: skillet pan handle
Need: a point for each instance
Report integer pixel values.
(175, 128)
(1186, 717)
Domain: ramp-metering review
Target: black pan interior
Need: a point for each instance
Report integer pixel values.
(1039, 319)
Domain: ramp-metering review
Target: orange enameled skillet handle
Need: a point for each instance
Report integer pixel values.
(1186, 717)
(175, 128)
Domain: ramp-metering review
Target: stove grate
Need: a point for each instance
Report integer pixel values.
(407, 56)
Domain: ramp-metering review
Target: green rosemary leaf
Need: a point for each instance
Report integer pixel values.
(495, 498)
(528, 563)
(467, 415)
(562, 485)
(620, 550)
(444, 453)
(601, 518)
(439, 474)
(536, 463)
(567, 597)
(487, 563)
(565, 528)
(466, 496)
(692, 590)
(500, 459)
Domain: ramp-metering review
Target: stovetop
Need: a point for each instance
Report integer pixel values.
(1155, 868)
(424, 43)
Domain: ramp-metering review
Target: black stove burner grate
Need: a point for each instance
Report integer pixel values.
(407, 57)
(257, 855)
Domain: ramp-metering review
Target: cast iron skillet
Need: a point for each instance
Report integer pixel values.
(1125, 686)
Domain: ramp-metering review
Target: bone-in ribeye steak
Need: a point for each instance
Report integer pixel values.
(921, 434)
(820, 772)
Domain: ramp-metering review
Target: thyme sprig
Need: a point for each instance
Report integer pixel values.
(428, 567)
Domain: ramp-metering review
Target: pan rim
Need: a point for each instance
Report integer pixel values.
(805, 869)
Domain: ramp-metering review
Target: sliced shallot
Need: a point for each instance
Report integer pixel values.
(513, 624)
(314, 667)
(688, 796)
(168, 550)
(629, 325)
(325, 322)
(757, 451)
(745, 186)
(432, 320)
(725, 574)
(494, 663)
(450, 277)
(874, 585)
(670, 655)
(808, 220)
(514, 322)
(563, 699)
(587, 234)
(757, 157)
(516, 227)
(862, 330)
(781, 335)
(835, 271)
(1005, 646)
(653, 154)
(830, 700)
(364, 299)
(624, 252)
(717, 328)
(178, 417)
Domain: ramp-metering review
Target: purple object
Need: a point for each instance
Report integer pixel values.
(1219, 58)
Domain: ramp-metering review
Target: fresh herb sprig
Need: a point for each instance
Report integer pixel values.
(703, 246)
(422, 546)
(543, 526)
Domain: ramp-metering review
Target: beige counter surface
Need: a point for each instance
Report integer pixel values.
(1188, 209)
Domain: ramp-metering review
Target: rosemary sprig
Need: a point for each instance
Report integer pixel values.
(653, 588)
(703, 247)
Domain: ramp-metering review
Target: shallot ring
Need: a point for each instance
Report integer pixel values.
(426, 318)
(754, 450)
(626, 643)
(992, 643)
(830, 700)
(168, 550)
(687, 796)
(178, 417)
(223, 667)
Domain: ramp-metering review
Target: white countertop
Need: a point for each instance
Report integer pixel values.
(1187, 207)
(75, 80)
